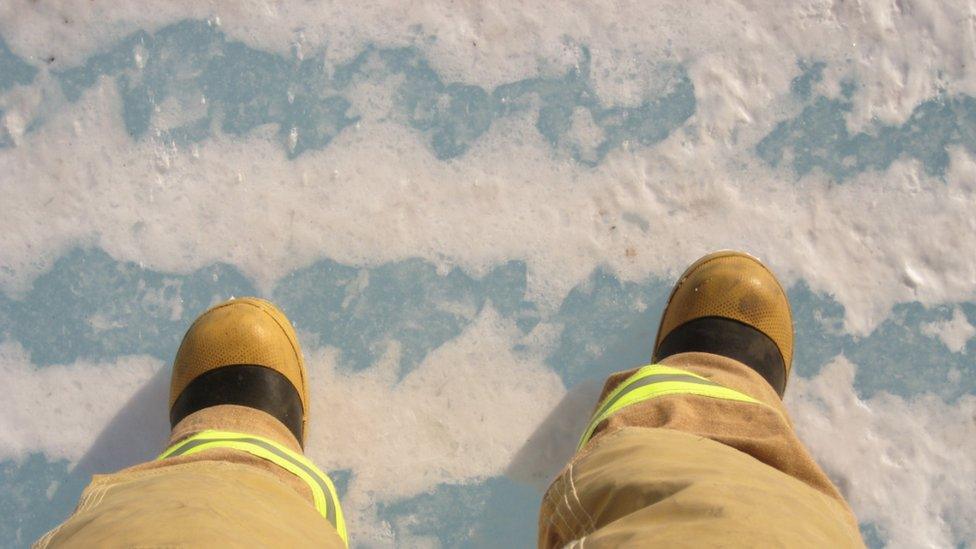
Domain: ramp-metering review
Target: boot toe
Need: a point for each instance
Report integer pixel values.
(247, 331)
(735, 286)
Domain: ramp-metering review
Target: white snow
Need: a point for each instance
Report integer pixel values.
(459, 417)
(510, 197)
(954, 332)
(905, 465)
(904, 52)
(61, 410)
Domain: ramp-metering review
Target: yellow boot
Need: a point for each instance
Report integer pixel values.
(242, 352)
(233, 474)
(728, 303)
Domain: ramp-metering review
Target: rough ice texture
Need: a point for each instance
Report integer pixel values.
(473, 212)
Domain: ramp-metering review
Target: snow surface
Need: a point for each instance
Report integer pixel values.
(473, 213)
(954, 332)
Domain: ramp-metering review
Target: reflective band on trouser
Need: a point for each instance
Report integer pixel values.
(655, 381)
(323, 491)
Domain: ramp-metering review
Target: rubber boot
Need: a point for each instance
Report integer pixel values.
(242, 352)
(728, 303)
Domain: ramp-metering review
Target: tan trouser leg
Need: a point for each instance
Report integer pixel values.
(685, 470)
(218, 497)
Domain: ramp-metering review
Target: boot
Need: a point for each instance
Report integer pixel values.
(242, 352)
(728, 303)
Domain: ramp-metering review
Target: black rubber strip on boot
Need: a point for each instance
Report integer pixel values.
(243, 385)
(732, 339)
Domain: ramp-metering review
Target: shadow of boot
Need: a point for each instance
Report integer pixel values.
(554, 441)
(136, 434)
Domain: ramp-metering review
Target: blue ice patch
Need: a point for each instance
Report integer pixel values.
(244, 88)
(818, 137)
(13, 69)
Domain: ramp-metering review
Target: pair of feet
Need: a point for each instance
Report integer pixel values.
(245, 351)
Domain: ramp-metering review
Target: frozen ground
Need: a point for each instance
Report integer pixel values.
(473, 214)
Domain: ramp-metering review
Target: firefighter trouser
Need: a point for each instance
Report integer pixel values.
(230, 477)
(697, 451)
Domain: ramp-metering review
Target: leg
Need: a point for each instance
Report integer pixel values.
(233, 473)
(697, 449)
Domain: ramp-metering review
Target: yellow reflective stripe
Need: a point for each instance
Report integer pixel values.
(323, 490)
(655, 381)
(317, 493)
(649, 370)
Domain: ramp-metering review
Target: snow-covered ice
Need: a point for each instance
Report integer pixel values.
(473, 212)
